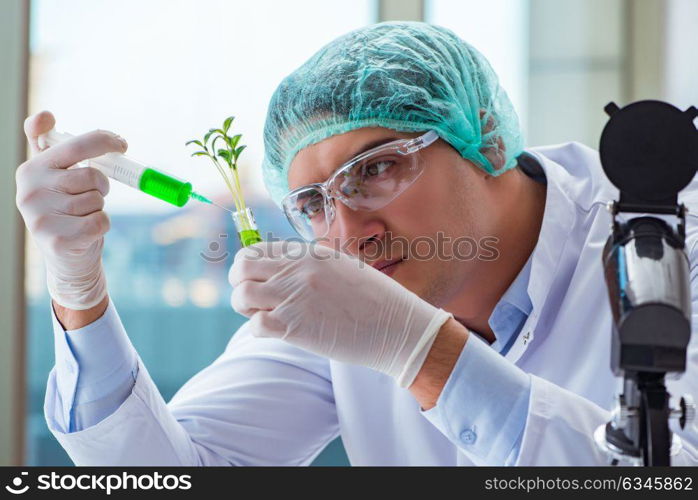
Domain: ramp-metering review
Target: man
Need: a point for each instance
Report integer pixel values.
(395, 133)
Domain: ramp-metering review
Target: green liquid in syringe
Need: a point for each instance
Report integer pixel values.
(168, 188)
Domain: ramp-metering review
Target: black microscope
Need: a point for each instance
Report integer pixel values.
(649, 151)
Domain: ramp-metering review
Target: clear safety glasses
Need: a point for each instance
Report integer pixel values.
(367, 182)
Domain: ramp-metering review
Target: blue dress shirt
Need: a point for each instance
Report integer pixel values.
(96, 368)
(488, 430)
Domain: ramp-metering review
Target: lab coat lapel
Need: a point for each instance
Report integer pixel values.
(558, 221)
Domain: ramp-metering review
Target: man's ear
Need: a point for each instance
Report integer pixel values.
(494, 150)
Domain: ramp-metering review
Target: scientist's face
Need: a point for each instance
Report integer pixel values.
(440, 227)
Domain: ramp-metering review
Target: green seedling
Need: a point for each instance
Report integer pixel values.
(224, 151)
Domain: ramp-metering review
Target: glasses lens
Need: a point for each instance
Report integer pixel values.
(374, 181)
(306, 211)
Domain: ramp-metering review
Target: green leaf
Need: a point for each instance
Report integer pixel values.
(233, 141)
(200, 153)
(215, 140)
(208, 135)
(226, 124)
(194, 141)
(238, 151)
(225, 154)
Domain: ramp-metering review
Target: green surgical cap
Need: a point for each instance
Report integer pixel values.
(405, 76)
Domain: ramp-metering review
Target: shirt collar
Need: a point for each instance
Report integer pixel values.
(511, 310)
(517, 293)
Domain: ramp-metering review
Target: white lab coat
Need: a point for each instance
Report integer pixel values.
(265, 402)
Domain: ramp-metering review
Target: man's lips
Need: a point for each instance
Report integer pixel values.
(386, 266)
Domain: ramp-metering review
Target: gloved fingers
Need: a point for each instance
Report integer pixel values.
(64, 233)
(80, 204)
(280, 250)
(47, 202)
(80, 180)
(77, 149)
(80, 232)
(250, 264)
(264, 324)
(248, 297)
(43, 193)
(38, 124)
(94, 226)
(38, 200)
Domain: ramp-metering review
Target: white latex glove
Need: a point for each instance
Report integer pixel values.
(62, 210)
(330, 303)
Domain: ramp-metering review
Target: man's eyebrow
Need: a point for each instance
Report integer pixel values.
(362, 149)
(370, 145)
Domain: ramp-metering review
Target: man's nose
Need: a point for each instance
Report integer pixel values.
(353, 229)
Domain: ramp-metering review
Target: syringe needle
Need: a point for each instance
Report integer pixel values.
(219, 206)
(205, 200)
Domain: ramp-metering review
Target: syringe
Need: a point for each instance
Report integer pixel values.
(135, 174)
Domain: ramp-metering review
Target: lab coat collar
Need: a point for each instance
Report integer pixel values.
(558, 220)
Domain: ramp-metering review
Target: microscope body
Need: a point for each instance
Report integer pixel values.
(647, 276)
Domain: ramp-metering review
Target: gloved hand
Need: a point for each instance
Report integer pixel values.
(332, 304)
(62, 209)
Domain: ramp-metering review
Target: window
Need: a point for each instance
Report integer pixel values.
(154, 74)
(499, 30)
(681, 87)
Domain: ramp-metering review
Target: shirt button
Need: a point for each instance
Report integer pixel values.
(468, 436)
